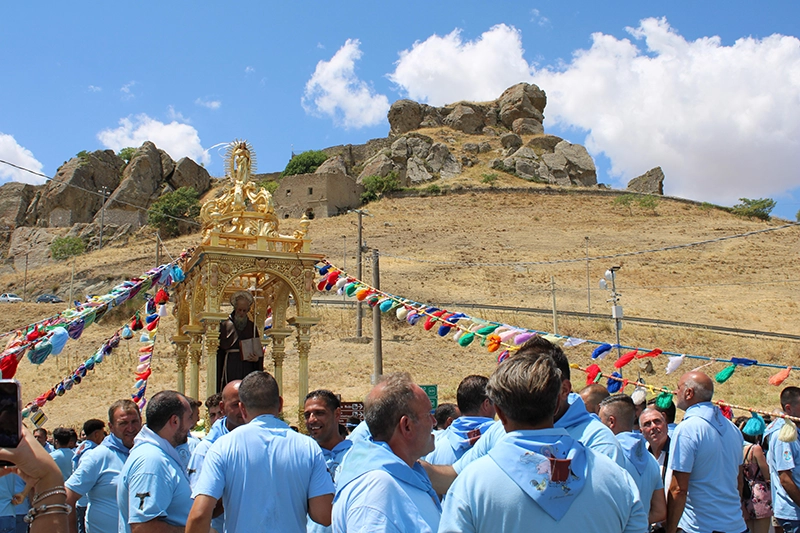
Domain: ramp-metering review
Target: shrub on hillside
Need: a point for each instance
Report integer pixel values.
(175, 207)
(270, 185)
(759, 208)
(305, 163)
(65, 247)
(377, 186)
(126, 154)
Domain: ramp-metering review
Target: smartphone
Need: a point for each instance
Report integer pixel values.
(10, 414)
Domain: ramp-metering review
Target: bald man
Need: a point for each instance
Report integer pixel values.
(705, 457)
(592, 395)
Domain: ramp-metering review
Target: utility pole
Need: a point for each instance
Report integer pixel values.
(616, 309)
(25, 283)
(71, 281)
(104, 191)
(359, 249)
(377, 344)
(158, 248)
(588, 281)
(344, 263)
(555, 311)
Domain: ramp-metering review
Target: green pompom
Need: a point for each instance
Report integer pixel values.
(664, 400)
(486, 330)
(725, 374)
(466, 339)
(350, 289)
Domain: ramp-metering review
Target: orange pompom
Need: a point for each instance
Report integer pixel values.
(780, 377)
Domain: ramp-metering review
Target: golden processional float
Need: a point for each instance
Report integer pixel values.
(242, 250)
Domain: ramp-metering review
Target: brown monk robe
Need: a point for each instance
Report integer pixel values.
(238, 327)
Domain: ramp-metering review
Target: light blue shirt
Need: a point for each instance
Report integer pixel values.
(709, 447)
(333, 459)
(96, 479)
(219, 429)
(22, 508)
(7, 488)
(483, 498)
(265, 473)
(153, 484)
(642, 466)
(453, 442)
(782, 456)
(185, 450)
(576, 420)
(84, 447)
(63, 458)
(378, 492)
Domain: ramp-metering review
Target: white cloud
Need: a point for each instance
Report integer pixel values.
(95, 89)
(722, 121)
(178, 140)
(176, 115)
(127, 92)
(249, 70)
(207, 103)
(12, 152)
(443, 70)
(538, 18)
(334, 90)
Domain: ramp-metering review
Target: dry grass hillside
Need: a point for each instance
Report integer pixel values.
(749, 282)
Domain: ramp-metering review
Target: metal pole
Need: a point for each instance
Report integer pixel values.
(588, 282)
(25, 283)
(103, 190)
(344, 263)
(359, 309)
(158, 249)
(377, 346)
(555, 312)
(71, 281)
(617, 320)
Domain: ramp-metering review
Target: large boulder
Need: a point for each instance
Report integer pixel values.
(33, 243)
(442, 161)
(416, 171)
(522, 100)
(380, 165)
(332, 165)
(187, 173)
(651, 182)
(405, 116)
(544, 143)
(580, 165)
(510, 141)
(15, 198)
(527, 126)
(141, 184)
(465, 118)
(72, 195)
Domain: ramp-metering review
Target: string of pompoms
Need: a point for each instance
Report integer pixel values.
(495, 335)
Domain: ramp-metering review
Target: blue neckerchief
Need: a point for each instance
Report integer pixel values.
(774, 426)
(113, 443)
(576, 413)
(218, 429)
(635, 449)
(361, 432)
(331, 454)
(148, 436)
(368, 455)
(465, 431)
(524, 457)
(83, 448)
(710, 413)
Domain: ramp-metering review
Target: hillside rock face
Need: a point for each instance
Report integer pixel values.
(548, 159)
(520, 109)
(14, 200)
(651, 182)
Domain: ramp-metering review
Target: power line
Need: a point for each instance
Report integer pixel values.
(99, 193)
(596, 258)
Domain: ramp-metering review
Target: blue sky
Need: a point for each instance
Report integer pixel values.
(710, 90)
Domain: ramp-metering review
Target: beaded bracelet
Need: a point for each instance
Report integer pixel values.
(51, 492)
(53, 508)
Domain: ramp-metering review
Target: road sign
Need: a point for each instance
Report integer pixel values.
(433, 394)
(349, 409)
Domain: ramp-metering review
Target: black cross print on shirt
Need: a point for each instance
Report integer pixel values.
(142, 496)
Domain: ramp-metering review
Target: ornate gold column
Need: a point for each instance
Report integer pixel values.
(278, 353)
(181, 358)
(195, 334)
(212, 344)
(303, 325)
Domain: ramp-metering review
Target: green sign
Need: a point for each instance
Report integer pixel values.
(433, 394)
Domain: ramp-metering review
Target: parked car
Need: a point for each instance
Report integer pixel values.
(9, 297)
(49, 299)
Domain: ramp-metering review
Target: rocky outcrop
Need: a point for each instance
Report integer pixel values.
(33, 243)
(651, 182)
(71, 196)
(548, 161)
(415, 159)
(15, 198)
(519, 109)
(186, 173)
(332, 165)
(141, 184)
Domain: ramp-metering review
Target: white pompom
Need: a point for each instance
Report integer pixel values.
(788, 433)
(162, 310)
(401, 312)
(674, 362)
(639, 396)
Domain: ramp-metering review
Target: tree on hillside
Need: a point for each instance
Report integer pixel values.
(126, 154)
(377, 186)
(65, 247)
(759, 208)
(174, 208)
(304, 163)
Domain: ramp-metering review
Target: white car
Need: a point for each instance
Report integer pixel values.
(9, 298)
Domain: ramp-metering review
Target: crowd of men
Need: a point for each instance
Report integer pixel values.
(519, 451)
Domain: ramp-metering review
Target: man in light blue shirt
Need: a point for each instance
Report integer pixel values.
(41, 436)
(153, 490)
(267, 475)
(230, 409)
(618, 413)
(571, 415)
(705, 458)
(783, 458)
(322, 411)
(538, 476)
(97, 474)
(477, 415)
(65, 440)
(186, 449)
(8, 516)
(94, 431)
(380, 486)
